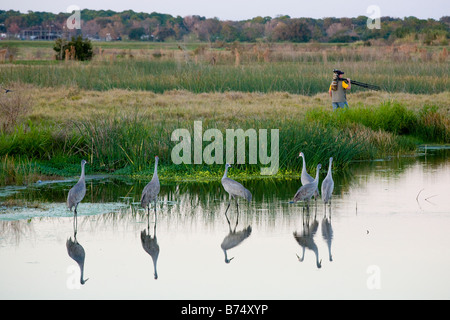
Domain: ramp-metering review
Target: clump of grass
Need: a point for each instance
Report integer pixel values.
(41, 141)
(433, 126)
(17, 171)
(318, 143)
(14, 106)
(389, 117)
(118, 141)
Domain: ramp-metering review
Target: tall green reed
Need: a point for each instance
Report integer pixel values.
(296, 77)
(427, 124)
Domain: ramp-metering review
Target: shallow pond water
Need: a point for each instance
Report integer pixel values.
(385, 238)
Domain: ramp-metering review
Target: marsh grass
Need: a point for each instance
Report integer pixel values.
(17, 171)
(121, 131)
(429, 125)
(40, 141)
(123, 140)
(306, 78)
(433, 125)
(128, 144)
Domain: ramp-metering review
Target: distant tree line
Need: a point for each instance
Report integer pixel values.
(108, 24)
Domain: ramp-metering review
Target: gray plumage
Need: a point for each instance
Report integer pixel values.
(306, 191)
(151, 190)
(327, 234)
(306, 239)
(76, 252)
(305, 177)
(328, 185)
(150, 245)
(233, 239)
(234, 188)
(78, 191)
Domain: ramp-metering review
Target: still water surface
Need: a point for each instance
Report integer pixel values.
(387, 237)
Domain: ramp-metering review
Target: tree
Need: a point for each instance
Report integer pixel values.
(136, 33)
(81, 47)
(163, 33)
(299, 31)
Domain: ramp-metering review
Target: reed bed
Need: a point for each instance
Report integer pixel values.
(127, 143)
(296, 77)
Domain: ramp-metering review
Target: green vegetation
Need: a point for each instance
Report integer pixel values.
(76, 49)
(428, 125)
(299, 77)
(126, 142)
(118, 110)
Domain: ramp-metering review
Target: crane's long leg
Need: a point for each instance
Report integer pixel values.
(330, 209)
(75, 226)
(155, 211)
(148, 217)
(229, 224)
(237, 208)
(229, 202)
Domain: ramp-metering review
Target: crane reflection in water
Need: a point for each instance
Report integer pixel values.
(150, 244)
(76, 250)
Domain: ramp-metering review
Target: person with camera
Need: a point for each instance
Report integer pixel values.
(338, 90)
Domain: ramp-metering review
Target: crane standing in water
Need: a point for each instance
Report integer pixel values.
(234, 189)
(328, 185)
(78, 191)
(306, 191)
(305, 177)
(151, 190)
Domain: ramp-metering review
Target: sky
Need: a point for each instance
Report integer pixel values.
(247, 9)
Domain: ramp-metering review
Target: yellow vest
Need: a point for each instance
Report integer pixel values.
(339, 95)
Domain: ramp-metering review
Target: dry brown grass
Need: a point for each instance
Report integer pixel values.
(14, 106)
(65, 104)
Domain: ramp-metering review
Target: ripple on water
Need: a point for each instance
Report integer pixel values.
(57, 210)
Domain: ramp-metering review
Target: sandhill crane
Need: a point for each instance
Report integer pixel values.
(151, 190)
(234, 188)
(150, 245)
(306, 238)
(307, 191)
(76, 251)
(305, 177)
(328, 185)
(78, 191)
(234, 238)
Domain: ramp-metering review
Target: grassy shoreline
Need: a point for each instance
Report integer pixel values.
(120, 131)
